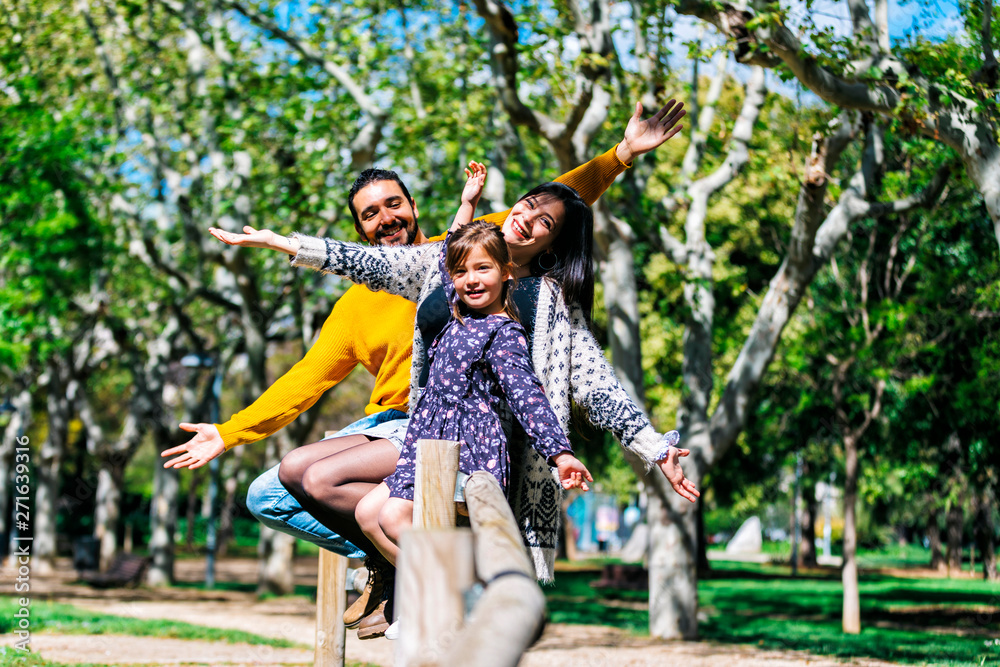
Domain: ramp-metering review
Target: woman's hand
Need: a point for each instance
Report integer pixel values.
(199, 450)
(671, 468)
(572, 473)
(642, 136)
(257, 238)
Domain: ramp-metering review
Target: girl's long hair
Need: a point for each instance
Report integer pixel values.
(488, 237)
(574, 247)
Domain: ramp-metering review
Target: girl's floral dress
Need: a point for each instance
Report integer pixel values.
(475, 366)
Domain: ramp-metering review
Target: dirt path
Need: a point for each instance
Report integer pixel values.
(294, 619)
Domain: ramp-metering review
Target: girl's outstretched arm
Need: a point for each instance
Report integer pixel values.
(475, 175)
(572, 473)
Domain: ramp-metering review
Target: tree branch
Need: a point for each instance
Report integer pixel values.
(503, 32)
(366, 103)
(990, 69)
(732, 22)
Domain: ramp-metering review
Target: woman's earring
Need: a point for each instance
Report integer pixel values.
(547, 261)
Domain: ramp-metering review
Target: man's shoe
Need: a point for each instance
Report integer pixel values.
(374, 624)
(371, 595)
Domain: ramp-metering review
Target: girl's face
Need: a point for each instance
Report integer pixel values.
(532, 226)
(479, 283)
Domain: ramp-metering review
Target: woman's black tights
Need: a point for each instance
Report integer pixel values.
(329, 477)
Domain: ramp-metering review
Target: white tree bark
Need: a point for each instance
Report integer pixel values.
(60, 390)
(20, 421)
(673, 565)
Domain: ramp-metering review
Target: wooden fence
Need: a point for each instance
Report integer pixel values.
(465, 596)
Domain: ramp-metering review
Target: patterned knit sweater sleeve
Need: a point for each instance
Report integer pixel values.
(397, 270)
(596, 389)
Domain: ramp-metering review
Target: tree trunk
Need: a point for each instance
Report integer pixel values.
(274, 552)
(704, 567)
(163, 522)
(673, 571)
(934, 537)
(954, 522)
(852, 601)
(190, 513)
(986, 528)
(621, 301)
(807, 550)
(47, 472)
(231, 474)
(107, 512)
(16, 427)
(275, 549)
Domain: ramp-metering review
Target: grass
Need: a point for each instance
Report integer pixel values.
(67, 619)
(919, 621)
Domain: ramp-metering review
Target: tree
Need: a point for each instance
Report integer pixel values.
(943, 91)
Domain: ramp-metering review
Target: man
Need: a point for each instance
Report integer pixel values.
(376, 330)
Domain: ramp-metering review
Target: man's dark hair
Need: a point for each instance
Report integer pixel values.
(366, 178)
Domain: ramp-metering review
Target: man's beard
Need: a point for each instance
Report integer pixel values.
(409, 232)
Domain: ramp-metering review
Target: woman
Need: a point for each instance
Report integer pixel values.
(550, 235)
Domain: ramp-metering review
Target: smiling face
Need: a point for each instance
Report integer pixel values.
(479, 282)
(532, 226)
(385, 216)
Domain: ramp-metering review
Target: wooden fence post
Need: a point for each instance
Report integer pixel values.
(331, 603)
(435, 565)
(509, 615)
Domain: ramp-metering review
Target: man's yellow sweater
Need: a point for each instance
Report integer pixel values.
(373, 329)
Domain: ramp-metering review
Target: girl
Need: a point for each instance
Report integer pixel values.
(478, 360)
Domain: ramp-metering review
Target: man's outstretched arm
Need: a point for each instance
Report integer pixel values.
(328, 362)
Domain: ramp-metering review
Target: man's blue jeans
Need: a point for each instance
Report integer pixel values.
(270, 502)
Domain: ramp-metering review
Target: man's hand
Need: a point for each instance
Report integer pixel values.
(642, 136)
(572, 473)
(671, 468)
(199, 450)
(257, 238)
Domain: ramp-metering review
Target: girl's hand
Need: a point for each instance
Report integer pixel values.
(671, 468)
(642, 136)
(475, 174)
(257, 238)
(199, 450)
(572, 473)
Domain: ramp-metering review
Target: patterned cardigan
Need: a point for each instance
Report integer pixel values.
(566, 357)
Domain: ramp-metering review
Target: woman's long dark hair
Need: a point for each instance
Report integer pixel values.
(574, 246)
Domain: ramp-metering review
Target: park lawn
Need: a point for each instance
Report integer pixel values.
(743, 603)
(67, 619)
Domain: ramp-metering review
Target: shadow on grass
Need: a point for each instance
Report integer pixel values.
(899, 616)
